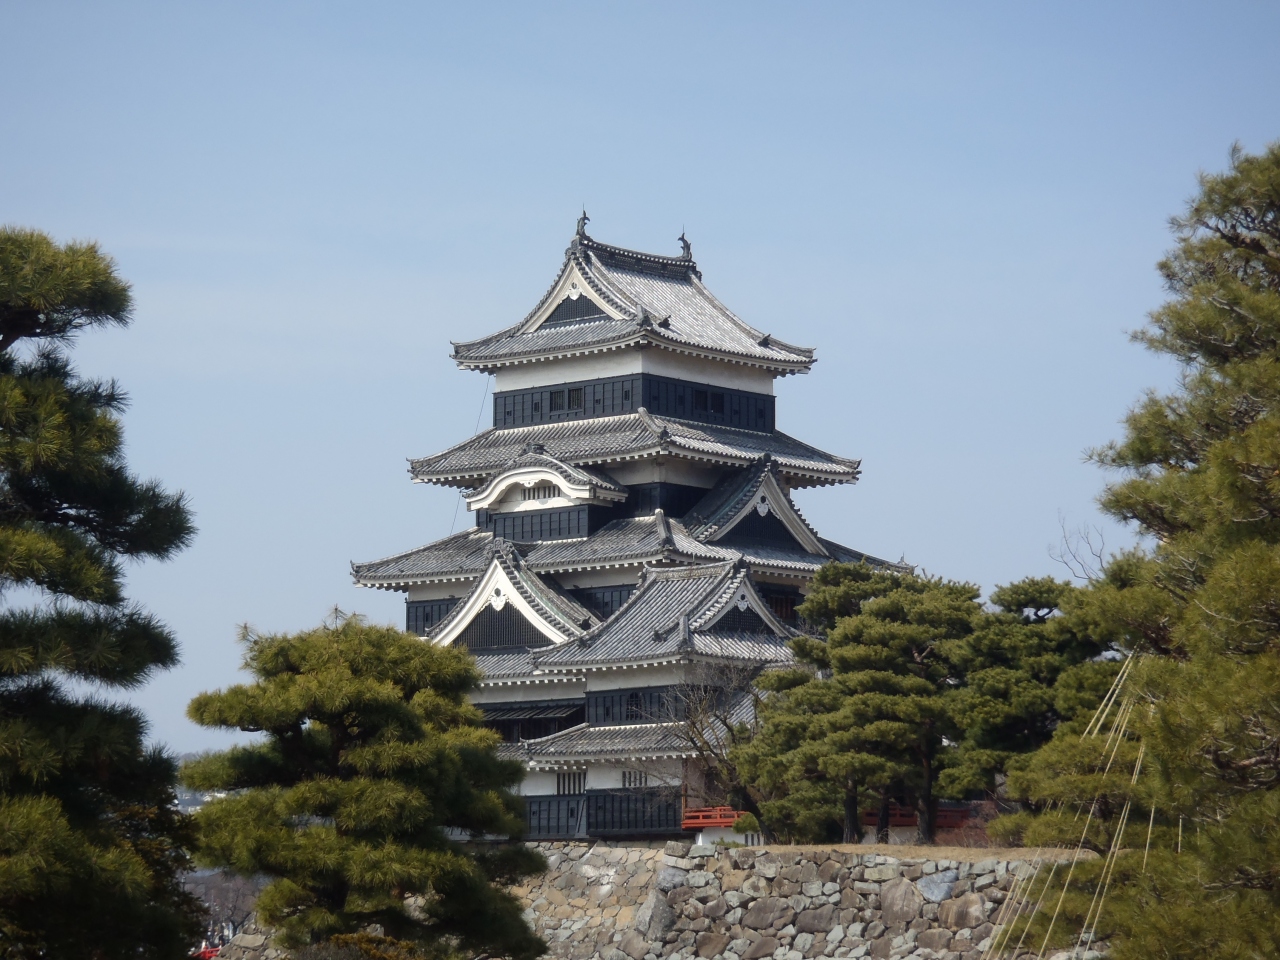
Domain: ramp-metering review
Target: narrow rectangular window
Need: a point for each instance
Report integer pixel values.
(717, 403)
(575, 398)
(700, 401)
(537, 406)
(557, 400)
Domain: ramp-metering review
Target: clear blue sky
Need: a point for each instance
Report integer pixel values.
(959, 205)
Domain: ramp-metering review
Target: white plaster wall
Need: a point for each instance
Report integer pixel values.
(440, 591)
(584, 579)
(616, 363)
(498, 692)
(537, 783)
(635, 677)
(664, 470)
(619, 363)
(664, 363)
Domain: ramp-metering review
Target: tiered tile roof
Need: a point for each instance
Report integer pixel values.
(634, 436)
(648, 300)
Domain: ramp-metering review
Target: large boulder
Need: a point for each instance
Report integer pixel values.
(671, 877)
(764, 913)
(764, 947)
(963, 912)
(900, 901)
(710, 944)
(939, 941)
(818, 920)
(655, 917)
(937, 887)
(634, 945)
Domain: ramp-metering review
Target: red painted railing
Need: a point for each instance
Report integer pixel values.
(699, 818)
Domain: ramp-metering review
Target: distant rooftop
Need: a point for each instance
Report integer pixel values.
(609, 298)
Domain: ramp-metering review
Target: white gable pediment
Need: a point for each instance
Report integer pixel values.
(571, 286)
(495, 590)
(767, 499)
(745, 597)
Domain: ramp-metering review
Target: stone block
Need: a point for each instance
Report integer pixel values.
(698, 878)
(767, 866)
(671, 877)
(702, 850)
(764, 946)
(936, 940)
(818, 919)
(676, 848)
(880, 873)
(634, 945)
(756, 887)
(984, 881)
(936, 887)
(900, 901)
(710, 944)
(682, 863)
(715, 908)
(881, 948)
(962, 912)
(764, 913)
(830, 871)
(812, 889)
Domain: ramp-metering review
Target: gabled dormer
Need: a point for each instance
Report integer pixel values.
(509, 607)
(751, 509)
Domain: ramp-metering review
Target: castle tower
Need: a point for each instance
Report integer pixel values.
(636, 552)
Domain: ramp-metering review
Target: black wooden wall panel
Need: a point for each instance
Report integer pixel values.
(530, 526)
(755, 530)
(554, 817)
(633, 812)
(640, 705)
(604, 601)
(503, 629)
(608, 397)
(422, 615)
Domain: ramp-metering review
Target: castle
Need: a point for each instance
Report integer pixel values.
(636, 553)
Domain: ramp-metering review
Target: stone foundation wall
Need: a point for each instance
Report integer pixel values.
(674, 901)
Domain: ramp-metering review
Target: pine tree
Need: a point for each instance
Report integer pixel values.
(1199, 610)
(366, 796)
(882, 715)
(91, 846)
(912, 686)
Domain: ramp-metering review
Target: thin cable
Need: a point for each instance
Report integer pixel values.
(487, 380)
(1150, 826)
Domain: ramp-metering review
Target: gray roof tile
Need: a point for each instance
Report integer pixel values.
(667, 617)
(631, 740)
(632, 436)
(663, 302)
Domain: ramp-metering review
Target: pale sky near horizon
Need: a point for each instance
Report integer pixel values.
(959, 205)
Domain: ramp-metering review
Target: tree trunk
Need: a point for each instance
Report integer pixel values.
(927, 805)
(882, 819)
(852, 823)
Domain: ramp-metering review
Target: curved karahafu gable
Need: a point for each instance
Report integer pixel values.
(609, 298)
(534, 468)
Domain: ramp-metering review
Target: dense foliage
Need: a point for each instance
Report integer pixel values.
(913, 688)
(91, 847)
(1200, 609)
(371, 774)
